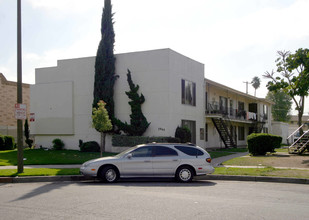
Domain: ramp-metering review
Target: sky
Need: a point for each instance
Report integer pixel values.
(236, 40)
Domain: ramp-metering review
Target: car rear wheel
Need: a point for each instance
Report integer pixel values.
(109, 174)
(184, 174)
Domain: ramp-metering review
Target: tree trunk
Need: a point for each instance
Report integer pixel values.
(300, 114)
(102, 143)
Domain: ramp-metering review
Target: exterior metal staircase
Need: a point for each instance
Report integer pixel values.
(223, 127)
(301, 144)
(257, 126)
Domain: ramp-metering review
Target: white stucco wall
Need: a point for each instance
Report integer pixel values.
(281, 129)
(157, 72)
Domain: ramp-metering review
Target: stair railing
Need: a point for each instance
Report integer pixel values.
(288, 138)
(295, 142)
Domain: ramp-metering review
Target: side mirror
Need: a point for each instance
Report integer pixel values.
(129, 156)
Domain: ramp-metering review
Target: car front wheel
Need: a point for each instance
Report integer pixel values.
(109, 174)
(184, 174)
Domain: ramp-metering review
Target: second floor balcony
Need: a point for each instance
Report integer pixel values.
(234, 114)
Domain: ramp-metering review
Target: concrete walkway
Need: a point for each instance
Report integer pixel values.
(217, 162)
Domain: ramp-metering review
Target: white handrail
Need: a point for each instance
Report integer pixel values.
(295, 131)
(299, 138)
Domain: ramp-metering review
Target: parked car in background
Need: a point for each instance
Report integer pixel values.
(182, 161)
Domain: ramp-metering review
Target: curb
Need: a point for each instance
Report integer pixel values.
(32, 179)
(78, 178)
(255, 179)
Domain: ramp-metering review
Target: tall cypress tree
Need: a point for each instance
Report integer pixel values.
(105, 63)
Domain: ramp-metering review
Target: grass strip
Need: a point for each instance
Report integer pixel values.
(268, 171)
(43, 157)
(216, 154)
(40, 172)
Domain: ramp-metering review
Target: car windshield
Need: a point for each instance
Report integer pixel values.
(126, 151)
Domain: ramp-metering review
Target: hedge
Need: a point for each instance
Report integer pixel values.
(90, 146)
(6, 142)
(260, 144)
(130, 141)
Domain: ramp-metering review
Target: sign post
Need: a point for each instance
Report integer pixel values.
(20, 150)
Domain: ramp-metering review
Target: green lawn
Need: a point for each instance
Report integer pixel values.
(40, 172)
(42, 157)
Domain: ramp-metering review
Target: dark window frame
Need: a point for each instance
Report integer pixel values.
(184, 97)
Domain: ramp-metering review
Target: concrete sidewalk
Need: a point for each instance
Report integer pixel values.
(217, 162)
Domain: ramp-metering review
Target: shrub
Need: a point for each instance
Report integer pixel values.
(130, 141)
(1, 142)
(184, 134)
(7, 142)
(260, 144)
(90, 146)
(58, 144)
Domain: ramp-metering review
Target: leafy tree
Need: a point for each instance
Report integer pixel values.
(282, 106)
(256, 82)
(294, 80)
(139, 123)
(105, 63)
(27, 134)
(101, 122)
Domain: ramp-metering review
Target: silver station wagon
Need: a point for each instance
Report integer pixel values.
(182, 161)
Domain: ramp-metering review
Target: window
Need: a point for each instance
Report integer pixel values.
(188, 92)
(161, 151)
(190, 150)
(142, 152)
(241, 133)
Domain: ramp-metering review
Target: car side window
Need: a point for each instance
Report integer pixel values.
(142, 152)
(161, 151)
(191, 151)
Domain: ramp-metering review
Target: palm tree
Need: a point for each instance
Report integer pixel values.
(256, 82)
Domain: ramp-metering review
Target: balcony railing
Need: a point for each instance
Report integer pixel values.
(237, 114)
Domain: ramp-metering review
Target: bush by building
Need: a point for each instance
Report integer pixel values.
(184, 134)
(90, 146)
(58, 144)
(7, 142)
(260, 144)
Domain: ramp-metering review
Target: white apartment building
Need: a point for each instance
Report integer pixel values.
(176, 94)
(231, 115)
(173, 86)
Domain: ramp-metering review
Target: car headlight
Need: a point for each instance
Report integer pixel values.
(87, 164)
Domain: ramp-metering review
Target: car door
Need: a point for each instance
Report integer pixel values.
(165, 161)
(138, 162)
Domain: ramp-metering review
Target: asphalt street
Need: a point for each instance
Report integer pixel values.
(154, 200)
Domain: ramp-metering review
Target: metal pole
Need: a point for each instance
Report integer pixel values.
(20, 152)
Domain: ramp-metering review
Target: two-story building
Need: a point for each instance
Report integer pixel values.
(231, 115)
(176, 93)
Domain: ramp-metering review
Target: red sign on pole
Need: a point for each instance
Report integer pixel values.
(32, 117)
(20, 111)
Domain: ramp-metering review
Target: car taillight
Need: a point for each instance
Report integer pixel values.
(208, 160)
